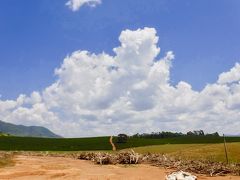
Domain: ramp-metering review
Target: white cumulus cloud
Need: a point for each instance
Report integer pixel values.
(75, 5)
(130, 92)
(231, 76)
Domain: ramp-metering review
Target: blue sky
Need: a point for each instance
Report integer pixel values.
(121, 83)
(35, 36)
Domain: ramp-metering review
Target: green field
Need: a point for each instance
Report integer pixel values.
(96, 143)
(213, 152)
(54, 144)
(137, 142)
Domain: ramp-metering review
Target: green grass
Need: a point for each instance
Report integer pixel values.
(4, 134)
(214, 152)
(12, 143)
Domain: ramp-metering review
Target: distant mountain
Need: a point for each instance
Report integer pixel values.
(20, 130)
(232, 135)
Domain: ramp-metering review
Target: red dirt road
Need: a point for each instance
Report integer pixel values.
(41, 168)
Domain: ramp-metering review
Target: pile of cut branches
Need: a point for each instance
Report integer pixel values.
(196, 166)
(193, 166)
(129, 157)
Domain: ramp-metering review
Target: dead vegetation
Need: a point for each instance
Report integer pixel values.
(6, 159)
(129, 157)
(196, 166)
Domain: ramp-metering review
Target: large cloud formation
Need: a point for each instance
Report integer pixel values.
(99, 94)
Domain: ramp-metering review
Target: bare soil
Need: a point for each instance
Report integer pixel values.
(40, 168)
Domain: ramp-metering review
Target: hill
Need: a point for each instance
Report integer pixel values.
(20, 130)
(4, 134)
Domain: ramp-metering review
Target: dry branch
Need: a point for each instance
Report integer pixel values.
(196, 166)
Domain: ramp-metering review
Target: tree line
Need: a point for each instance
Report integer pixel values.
(167, 134)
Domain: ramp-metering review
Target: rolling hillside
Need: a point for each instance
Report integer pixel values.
(20, 130)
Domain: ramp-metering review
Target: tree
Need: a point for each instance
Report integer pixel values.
(122, 138)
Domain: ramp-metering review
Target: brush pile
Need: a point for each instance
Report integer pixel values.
(105, 158)
(159, 160)
(200, 167)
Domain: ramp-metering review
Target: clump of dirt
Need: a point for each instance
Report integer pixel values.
(6, 159)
